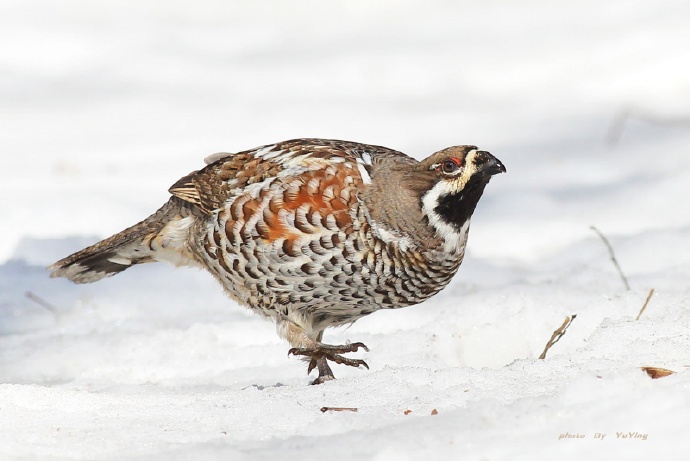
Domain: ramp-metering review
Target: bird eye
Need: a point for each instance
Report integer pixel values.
(450, 165)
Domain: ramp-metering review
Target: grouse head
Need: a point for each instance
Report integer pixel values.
(432, 200)
(456, 179)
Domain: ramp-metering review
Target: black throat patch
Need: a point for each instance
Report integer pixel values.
(457, 208)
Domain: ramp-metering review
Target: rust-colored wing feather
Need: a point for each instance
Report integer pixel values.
(228, 175)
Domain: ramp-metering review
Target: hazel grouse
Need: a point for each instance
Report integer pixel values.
(311, 233)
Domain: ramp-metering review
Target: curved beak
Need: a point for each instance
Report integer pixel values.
(488, 163)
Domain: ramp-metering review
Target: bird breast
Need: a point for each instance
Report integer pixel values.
(307, 242)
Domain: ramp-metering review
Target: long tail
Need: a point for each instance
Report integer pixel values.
(161, 236)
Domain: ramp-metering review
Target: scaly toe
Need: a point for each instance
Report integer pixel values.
(329, 352)
(302, 351)
(357, 346)
(340, 360)
(341, 349)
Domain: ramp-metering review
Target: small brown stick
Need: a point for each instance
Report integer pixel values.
(613, 256)
(644, 306)
(325, 409)
(41, 302)
(558, 334)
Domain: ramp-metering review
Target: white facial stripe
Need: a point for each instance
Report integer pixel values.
(454, 240)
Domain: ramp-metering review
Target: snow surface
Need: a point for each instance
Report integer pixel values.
(104, 105)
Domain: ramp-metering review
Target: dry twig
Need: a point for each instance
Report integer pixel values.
(557, 335)
(613, 256)
(325, 409)
(644, 306)
(41, 302)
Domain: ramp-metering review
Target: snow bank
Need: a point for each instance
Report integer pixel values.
(107, 104)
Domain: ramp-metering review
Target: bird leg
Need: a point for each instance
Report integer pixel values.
(321, 353)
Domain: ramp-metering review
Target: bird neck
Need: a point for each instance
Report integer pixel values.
(449, 212)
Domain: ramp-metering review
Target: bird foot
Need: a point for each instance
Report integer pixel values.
(322, 353)
(322, 379)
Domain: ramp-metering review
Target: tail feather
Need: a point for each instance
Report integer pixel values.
(135, 245)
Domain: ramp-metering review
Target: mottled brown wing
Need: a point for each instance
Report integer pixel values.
(205, 188)
(230, 174)
(312, 204)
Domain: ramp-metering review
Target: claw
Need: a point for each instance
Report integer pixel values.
(356, 347)
(322, 353)
(312, 365)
